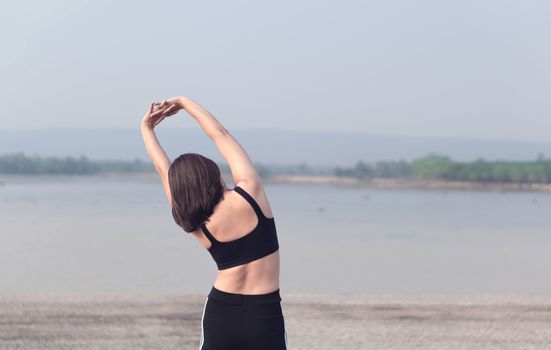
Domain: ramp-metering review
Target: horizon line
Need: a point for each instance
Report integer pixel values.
(344, 132)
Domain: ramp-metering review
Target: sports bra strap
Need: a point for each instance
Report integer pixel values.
(251, 201)
(207, 233)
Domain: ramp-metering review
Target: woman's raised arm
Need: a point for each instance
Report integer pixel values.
(241, 166)
(154, 150)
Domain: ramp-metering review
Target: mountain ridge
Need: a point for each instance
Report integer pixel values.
(265, 145)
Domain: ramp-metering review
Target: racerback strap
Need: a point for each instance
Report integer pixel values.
(209, 235)
(251, 201)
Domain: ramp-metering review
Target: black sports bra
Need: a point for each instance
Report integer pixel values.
(261, 241)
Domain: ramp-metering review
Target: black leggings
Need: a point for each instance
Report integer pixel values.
(233, 321)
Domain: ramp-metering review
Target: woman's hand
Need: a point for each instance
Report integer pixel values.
(160, 110)
(157, 112)
(177, 101)
(172, 105)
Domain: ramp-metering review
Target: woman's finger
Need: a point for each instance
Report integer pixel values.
(160, 105)
(156, 113)
(170, 108)
(158, 121)
(172, 113)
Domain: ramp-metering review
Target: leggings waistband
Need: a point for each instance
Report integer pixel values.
(244, 299)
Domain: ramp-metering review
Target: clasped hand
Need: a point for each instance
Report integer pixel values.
(158, 111)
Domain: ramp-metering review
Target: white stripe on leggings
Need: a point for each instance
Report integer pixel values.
(202, 340)
(285, 333)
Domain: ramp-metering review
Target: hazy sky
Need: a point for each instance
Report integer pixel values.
(458, 68)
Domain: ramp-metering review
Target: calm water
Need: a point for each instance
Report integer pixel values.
(101, 234)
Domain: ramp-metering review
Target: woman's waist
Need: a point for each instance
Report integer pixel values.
(258, 277)
(247, 282)
(247, 285)
(244, 298)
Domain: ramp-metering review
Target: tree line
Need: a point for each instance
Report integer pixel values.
(430, 167)
(19, 163)
(440, 167)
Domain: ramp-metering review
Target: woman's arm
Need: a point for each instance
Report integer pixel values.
(241, 166)
(155, 151)
(210, 125)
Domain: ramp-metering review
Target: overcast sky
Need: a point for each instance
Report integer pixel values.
(445, 68)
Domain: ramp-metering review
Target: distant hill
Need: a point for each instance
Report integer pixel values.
(270, 146)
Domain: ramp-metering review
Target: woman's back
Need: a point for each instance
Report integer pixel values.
(240, 234)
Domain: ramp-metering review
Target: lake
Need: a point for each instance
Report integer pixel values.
(113, 234)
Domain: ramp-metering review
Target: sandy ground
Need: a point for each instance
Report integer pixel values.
(313, 321)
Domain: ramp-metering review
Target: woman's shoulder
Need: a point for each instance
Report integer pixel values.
(256, 190)
(252, 187)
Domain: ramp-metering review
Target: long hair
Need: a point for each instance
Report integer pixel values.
(196, 189)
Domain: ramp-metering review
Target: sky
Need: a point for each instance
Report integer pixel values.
(421, 68)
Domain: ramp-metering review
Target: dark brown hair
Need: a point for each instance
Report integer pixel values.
(196, 188)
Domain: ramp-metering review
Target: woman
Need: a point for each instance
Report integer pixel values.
(243, 309)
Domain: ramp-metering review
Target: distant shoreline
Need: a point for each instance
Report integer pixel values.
(381, 183)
